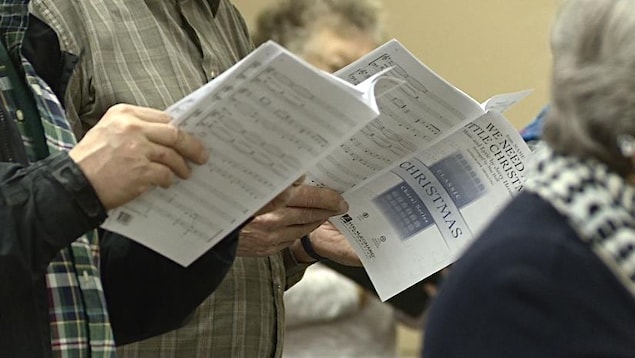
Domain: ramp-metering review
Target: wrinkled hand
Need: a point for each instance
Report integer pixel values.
(308, 208)
(132, 149)
(282, 199)
(328, 241)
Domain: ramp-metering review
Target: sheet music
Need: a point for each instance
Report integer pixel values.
(265, 122)
(422, 109)
(502, 102)
(415, 219)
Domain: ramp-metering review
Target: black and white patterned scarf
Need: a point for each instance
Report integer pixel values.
(599, 204)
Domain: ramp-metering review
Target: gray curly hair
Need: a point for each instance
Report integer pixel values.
(290, 22)
(593, 80)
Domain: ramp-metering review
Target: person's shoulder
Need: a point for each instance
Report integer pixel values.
(65, 18)
(531, 247)
(235, 22)
(49, 9)
(528, 230)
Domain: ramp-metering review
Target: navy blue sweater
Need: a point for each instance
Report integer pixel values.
(529, 287)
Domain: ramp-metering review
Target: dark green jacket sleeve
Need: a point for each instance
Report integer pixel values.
(44, 207)
(146, 293)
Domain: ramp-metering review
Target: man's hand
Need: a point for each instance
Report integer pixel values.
(282, 199)
(132, 149)
(327, 241)
(306, 210)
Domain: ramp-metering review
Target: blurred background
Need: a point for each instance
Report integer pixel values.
(482, 47)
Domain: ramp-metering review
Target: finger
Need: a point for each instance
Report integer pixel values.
(183, 143)
(280, 237)
(300, 216)
(430, 289)
(149, 114)
(276, 203)
(169, 158)
(143, 113)
(157, 174)
(287, 216)
(290, 232)
(191, 148)
(321, 198)
(279, 201)
(299, 181)
(257, 241)
(296, 232)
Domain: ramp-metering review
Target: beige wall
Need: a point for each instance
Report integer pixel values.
(483, 47)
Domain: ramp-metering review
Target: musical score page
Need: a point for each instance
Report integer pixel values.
(424, 108)
(266, 122)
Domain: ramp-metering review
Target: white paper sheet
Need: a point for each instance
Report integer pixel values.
(416, 219)
(265, 123)
(423, 109)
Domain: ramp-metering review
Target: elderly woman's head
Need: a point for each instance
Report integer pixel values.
(593, 84)
(328, 33)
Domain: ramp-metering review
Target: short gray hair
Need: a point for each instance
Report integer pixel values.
(291, 22)
(593, 80)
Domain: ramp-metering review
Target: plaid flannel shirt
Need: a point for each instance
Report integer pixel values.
(153, 53)
(77, 308)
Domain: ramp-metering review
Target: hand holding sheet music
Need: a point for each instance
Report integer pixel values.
(265, 122)
(422, 165)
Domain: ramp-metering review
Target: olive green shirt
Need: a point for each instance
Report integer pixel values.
(153, 53)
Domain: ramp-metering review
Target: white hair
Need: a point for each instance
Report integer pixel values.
(593, 80)
(290, 22)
